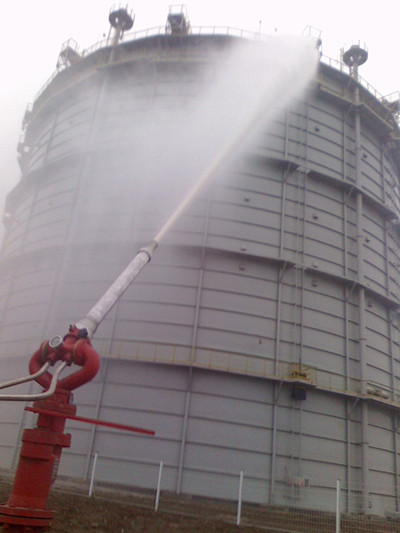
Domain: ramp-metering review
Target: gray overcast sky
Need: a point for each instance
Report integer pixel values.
(33, 31)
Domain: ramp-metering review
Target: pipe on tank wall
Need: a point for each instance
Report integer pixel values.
(347, 293)
(390, 333)
(361, 302)
(364, 404)
(184, 432)
(275, 392)
(193, 345)
(394, 416)
(274, 423)
(280, 273)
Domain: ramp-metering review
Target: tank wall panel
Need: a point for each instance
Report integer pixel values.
(325, 139)
(371, 163)
(391, 186)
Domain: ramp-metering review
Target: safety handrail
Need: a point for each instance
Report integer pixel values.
(39, 396)
(30, 377)
(201, 30)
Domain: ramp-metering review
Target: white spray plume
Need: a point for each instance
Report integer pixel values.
(258, 79)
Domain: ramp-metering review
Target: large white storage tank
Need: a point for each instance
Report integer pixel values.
(263, 336)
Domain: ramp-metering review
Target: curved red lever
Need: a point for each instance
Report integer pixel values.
(73, 349)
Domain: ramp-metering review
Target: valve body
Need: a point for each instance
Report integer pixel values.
(26, 509)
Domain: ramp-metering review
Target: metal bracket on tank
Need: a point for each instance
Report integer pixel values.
(302, 374)
(354, 284)
(283, 267)
(354, 404)
(280, 385)
(288, 168)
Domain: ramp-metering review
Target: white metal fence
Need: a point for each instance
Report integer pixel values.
(295, 508)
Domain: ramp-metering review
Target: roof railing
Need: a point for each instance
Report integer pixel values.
(213, 30)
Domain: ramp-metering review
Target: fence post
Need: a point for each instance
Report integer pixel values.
(338, 506)
(158, 486)
(239, 509)
(92, 475)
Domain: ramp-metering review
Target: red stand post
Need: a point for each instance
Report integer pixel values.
(26, 509)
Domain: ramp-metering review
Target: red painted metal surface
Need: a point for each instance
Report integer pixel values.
(114, 425)
(26, 509)
(74, 349)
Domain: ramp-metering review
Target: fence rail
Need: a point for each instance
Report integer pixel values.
(296, 507)
(315, 507)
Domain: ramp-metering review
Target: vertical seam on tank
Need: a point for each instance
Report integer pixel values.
(193, 345)
(361, 305)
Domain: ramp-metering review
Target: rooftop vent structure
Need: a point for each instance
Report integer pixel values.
(354, 57)
(177, 21)
(121, 20)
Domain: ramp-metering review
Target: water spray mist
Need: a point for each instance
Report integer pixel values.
(274, 84)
